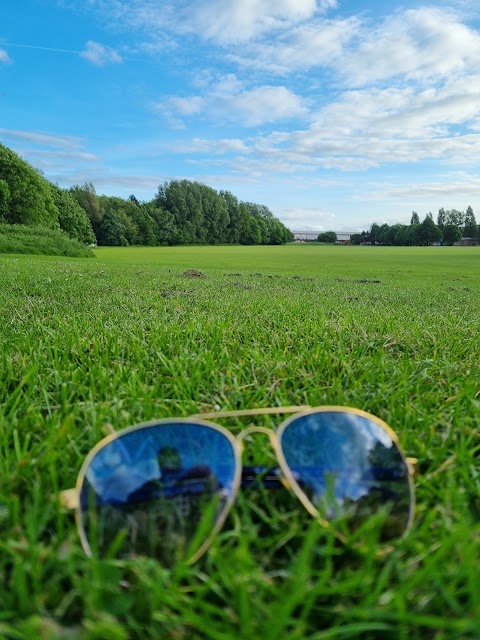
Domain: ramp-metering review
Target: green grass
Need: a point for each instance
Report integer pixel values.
(125, 337)
(21, 239)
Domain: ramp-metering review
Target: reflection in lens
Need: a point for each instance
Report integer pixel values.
(350, 469)
(157, 490)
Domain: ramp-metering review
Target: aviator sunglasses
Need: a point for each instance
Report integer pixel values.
(164, 488)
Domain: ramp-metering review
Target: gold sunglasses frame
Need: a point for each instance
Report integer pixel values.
(70, 498)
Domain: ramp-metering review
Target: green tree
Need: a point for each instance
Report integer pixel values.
(452, 216)
(358, 238)
(112, 230)
(253, 234)
(329, 237)
(429, 232)
(413, 236)
(272, 231)
(215, 215)
(414, 219)
(167, 230)
(441, 218)
(373, 233)
(381, 233)
(233, 208)
(182, 199)
(4, 200)
(87, 198)
(71, 217)
(30, 200)
(451, 234)
(243, 223)
(470, 229)
(204, 216)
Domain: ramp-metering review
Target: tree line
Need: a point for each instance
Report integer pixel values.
(181, 212)
(451, 226)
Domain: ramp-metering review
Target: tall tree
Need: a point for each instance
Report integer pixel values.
(71, 217)
(429, 232)
(453, 216)
(414, 219)
(233, 208)
(215, 213)
(441, 218)
(470, 229)
(112, 230)
(373, 233)
(87, 198)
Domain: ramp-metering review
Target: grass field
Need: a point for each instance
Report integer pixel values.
(125, 337)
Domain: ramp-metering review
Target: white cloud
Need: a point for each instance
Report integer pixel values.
(242, 20)
(313, 219)
(185, 106)
(4, 57)
(416, 45)
(62, 155)
(37, 137)
(100, 54)
(371, 127)
(108, 182)
(450, 189)
(227, 100)
(222, 146)
(220, 21)
(265, 104)
(314, 44)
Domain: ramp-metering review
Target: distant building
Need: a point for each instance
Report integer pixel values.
(467, 242)
(343, 237)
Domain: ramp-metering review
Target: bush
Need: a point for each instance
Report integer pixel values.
(18, 238)
(327, 236)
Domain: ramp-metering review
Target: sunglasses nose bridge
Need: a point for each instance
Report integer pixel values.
(254, 429)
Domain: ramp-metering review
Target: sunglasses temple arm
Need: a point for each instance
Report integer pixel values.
(265, 411)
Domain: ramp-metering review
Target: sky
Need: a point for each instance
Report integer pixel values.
(332, 113)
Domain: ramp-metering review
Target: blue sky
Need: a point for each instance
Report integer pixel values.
(333, 113)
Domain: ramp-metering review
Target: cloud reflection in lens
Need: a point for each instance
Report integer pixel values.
(351, 470)
(157, 490)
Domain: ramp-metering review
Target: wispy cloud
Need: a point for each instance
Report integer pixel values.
(39, 47)
(452, 188)
(4, 57)
(217, 147)
(94, 52)
(317, 43)
(37, 137)
(240, 21)
(100, 54)
(212, 20)
(313, 219)
(62, 155)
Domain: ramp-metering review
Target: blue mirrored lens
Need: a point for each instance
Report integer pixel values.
(157, 490)
(350, 469)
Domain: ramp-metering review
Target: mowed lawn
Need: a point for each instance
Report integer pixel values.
(126, 337)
